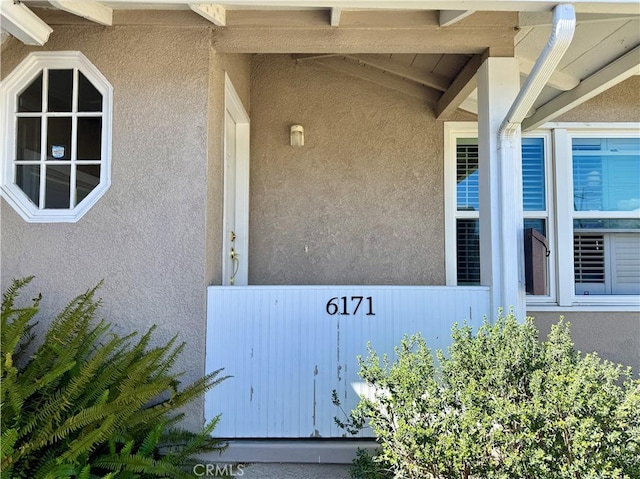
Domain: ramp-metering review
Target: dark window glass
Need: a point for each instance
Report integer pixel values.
(89, 99)
(60, 90)
(87, 178)
(89, 138)
(468, 251)
(59, 138)
(31, 98)
(57, 187)
(28, 179)
(28, 139)
(540, 225)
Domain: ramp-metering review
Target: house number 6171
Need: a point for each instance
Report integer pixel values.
(343, 304)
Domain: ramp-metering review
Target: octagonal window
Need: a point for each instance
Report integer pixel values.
(57, 133)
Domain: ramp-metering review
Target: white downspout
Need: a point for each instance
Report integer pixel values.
(509, 153)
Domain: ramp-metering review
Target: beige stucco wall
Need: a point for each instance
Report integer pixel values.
(362, 202)
(614, 336)
(146, 236)
(620, 103)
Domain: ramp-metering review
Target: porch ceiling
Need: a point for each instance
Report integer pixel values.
(430, 50)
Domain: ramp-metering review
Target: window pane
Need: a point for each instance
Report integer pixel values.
(540, 225)
(87, 178)
(60, 90)
(89, 99)
(468, 251)
(606, 261)
(28, 179)
(28, 139)
(59, 138)
(57, 186)
(533, 175)
(467, 174)
(605, 174)
(89, 138)
(31, 98)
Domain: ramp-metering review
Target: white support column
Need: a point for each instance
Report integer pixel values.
(500, 179)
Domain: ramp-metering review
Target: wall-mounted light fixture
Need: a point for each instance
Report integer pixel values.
(297, 135)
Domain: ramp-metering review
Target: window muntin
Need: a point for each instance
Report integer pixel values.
(57, 132)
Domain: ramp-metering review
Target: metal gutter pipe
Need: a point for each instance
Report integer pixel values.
(564, 26)
(510, 161)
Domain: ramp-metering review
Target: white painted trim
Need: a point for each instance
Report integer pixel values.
(13, 84)
(301, 451)
(596, 128)
(336, 13)
(23, 24)
(215, 13)
(89, 9)
(602, 306)
(588, 6)
(449, 17)
(453, 131)
(236, 109)
(558, 80)
(612, 74)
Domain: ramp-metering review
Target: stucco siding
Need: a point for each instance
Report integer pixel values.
(614, 336)
(146, 236)
(620, 103)
(362, 202)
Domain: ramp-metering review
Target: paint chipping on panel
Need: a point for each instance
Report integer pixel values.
(251, 394)
(315, 433)
(313, 414)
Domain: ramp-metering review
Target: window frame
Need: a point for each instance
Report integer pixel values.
(559, 201)
(10, 89)
(563, 136)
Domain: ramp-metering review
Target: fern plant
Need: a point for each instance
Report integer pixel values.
(88, 403)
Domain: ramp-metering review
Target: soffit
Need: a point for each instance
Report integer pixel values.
(406, 48)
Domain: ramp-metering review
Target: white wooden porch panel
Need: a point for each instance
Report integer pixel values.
(286, 353)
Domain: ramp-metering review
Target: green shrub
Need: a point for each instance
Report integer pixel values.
(88, 403)
(502, 405)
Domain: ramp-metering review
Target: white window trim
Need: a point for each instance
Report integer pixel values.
(10, 88)
(560, 210)
(563, 134)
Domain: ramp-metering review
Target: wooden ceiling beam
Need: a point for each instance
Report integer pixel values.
(376, 76)
(347, 40)
(17, 20)
(411, 73)
(558, 80)
(460, 89)
(89, 9)
(589, 6)
(615, 72)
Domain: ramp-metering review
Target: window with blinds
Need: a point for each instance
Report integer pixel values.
(606, 173)
(468, 204)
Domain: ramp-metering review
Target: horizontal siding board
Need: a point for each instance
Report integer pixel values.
(286, 354)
